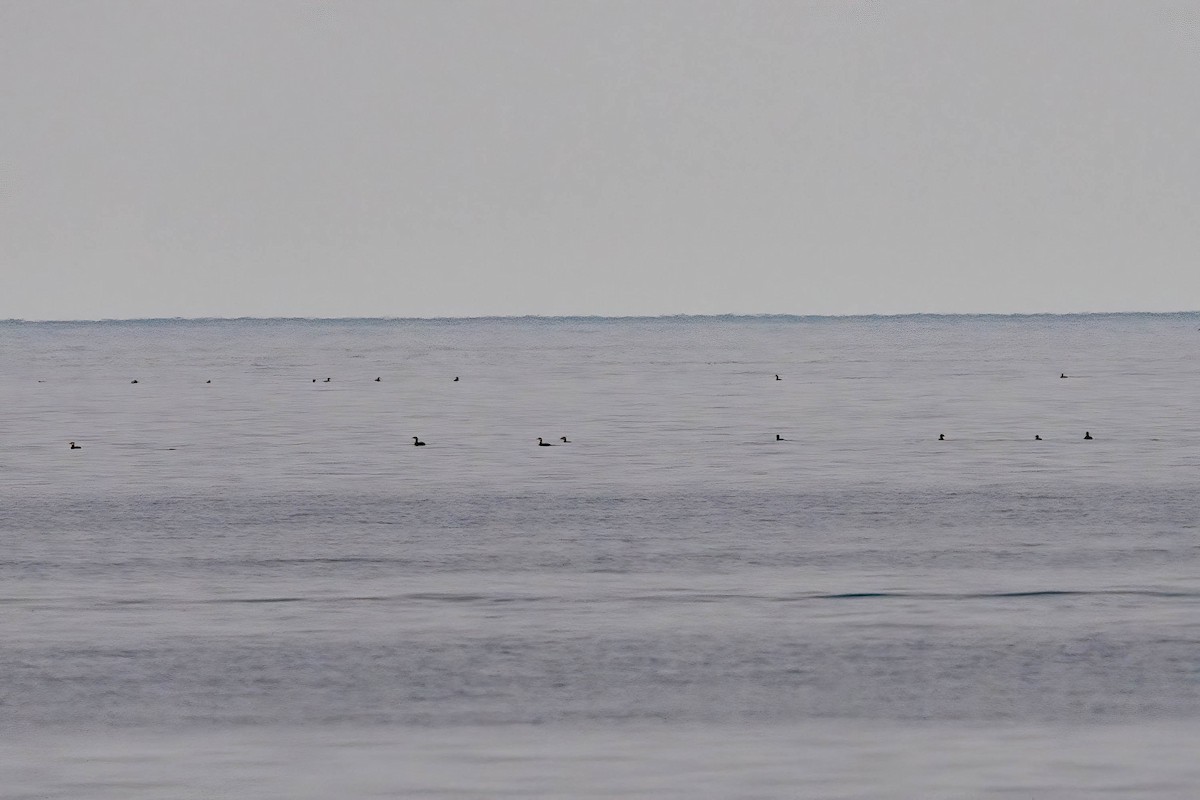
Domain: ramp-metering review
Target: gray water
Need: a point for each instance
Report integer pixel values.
(258, 588)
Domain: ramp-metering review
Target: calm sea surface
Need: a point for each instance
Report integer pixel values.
(258, 588)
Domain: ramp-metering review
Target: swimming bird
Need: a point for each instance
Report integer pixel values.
(544, 444)
(417, 442)
(564, 440)
(1037, 438)
(455, 377)
(208, 381)
(941, 437)
(778, 378)
(327, 380)
(779, 438)
(75, 446)
(377, 380)
(1087, 434)
(1062, 375)
(134, 380)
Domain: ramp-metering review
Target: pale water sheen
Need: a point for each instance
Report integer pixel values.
(257, 588)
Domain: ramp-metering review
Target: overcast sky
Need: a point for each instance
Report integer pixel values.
(568, 157)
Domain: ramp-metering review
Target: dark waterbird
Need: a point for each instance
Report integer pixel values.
(941, 437)
(75, 446)
(564, 440)
(544, 444)
(417, 442)
(1087, 434)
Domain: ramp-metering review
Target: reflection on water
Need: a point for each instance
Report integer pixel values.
(829, 759)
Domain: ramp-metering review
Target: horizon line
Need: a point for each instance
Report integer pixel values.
(683, 317)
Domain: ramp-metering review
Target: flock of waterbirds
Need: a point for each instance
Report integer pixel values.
(1087, 435)
(416, 439)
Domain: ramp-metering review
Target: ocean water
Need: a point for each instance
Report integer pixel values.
(258, 588)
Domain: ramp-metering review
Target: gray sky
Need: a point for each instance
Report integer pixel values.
(476, 158)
